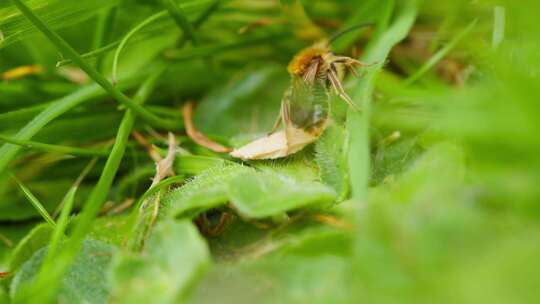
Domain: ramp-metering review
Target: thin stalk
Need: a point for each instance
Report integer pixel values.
(91, 54)
(55, 148)
(128, 36)
(179, 17)
(102, 27)
(137, 215)
(114, 92)
(35, 202)
(201, 19)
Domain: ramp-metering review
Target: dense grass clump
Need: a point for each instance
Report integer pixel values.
(428, 194)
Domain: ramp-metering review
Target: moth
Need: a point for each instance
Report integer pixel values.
(305, 106)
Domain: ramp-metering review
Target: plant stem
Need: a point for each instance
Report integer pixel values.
(128, 36)
(55, 148)
(181, 20)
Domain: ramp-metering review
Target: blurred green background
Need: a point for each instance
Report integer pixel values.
(437, 181)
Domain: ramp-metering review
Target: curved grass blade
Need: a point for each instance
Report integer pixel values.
(65, 48)
(128, 36)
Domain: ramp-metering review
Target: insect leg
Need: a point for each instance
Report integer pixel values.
(334, 79)
(285, 116)
(350, 63)
(276, 124)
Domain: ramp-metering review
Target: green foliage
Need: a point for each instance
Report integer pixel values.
(427, 194)
(205, 191)
(36, 239)
(58, 14)
(331, 158)
(165, 269)
(84, 282)
(259, 195)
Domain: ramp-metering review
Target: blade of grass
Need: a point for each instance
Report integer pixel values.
(499, 24)
(96, 199)
(66, 49)
(35, 202)
(137, 216)
(179, 17)
(55, 109)
(201, 19)
(437, 57)
(103, 26)
(358, 122)
(128, 36)
(59, 231)
(55, 148)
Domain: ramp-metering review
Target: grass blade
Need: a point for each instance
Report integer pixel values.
(181, 20)
(358, 122)
(59, 231)
(440, 55)
(66, 49)
(35, 202)
(128, 36)
(55, 148)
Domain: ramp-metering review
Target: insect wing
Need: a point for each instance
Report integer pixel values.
(308, 103)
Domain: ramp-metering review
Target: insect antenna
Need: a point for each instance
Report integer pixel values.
(338, 35)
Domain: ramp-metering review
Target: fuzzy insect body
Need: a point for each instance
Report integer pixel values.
(305, 106)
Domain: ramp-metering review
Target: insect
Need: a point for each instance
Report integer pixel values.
(305, 106)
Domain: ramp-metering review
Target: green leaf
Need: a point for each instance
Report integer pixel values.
(266, 194)
(205, 191)
(392, 159)
(110, 229)
(84, 282)
(331, 158)
(272, 191)
(36, 239)
(175, 257)
(444, 160)
(231, 109)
